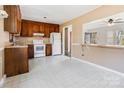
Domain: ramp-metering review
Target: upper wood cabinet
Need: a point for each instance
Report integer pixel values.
(24, 28)
(18, 19)
(35, 27)
(30, 27)
(46, 30)
(12, 24)
(42, 27)
(56, 28)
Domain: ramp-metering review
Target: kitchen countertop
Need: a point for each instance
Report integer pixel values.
(43, 43)
(105, 46)
(16, 46)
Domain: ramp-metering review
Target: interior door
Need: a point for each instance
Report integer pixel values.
(67, 42)
(70, 33)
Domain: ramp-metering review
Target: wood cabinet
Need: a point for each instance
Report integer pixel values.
(56, 28)
(42, 26)
(48, 49)
(18, 19)
(12, 24)
(16, 61)
(26, 29)
(30, 27)
(46, 30)
(30, 51)
(35, 27)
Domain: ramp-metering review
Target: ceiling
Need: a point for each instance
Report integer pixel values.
(55, 13)
(103, 23)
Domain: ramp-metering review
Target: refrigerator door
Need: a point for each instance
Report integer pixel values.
(56, 49)
(56, 43)
(51, 38)
(57, 36)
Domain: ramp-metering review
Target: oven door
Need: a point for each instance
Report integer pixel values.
(39, 49)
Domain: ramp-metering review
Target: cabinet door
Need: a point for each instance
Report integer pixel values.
(42, 28)
(23, 65)
(24, 29)
(11, 23)
(31, 51)
(35, 27)
(18, 20)
(47, 30)
(48, 49)
(13, 17)
(51, 29)
(7, 21)
(56, 28)
(11, 65)
(30, 30)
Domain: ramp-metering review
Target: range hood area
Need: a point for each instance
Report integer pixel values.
(38, 34)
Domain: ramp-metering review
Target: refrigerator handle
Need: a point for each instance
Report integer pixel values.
(52, 39)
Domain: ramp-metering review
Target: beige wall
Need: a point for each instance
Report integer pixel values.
(4, 38)
(111, 58)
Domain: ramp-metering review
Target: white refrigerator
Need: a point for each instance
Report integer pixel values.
(55, 39)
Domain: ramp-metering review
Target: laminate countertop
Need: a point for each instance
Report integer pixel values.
(105, 46)
(17, 46)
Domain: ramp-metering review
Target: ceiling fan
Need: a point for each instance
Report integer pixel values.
(112, 21)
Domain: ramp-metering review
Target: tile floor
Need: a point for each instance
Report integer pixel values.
(63, 72)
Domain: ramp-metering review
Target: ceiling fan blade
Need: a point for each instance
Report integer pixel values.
(118, 19)
(105, 22)
(119, 22)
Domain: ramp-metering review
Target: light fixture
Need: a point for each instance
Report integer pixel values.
(110, 22)
(3, 14)
(38, 34)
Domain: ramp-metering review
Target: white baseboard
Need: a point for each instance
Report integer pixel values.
(2, 81)
(99, 66)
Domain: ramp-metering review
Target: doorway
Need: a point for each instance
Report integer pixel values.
(67, 40)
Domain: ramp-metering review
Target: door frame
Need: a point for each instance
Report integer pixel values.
(63, 38)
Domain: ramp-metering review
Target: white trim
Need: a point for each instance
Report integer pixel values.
(99, 66)
(2, 81)
(77, 44)
(1, 49)
(63, 42)
(63, 37)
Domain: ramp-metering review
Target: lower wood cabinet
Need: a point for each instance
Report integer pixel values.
(30, 51)
(16, 61)
(48, 49)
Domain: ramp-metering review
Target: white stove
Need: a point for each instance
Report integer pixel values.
(39, 48)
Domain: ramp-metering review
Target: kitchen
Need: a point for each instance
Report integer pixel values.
(59, 48)
(28, 39)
